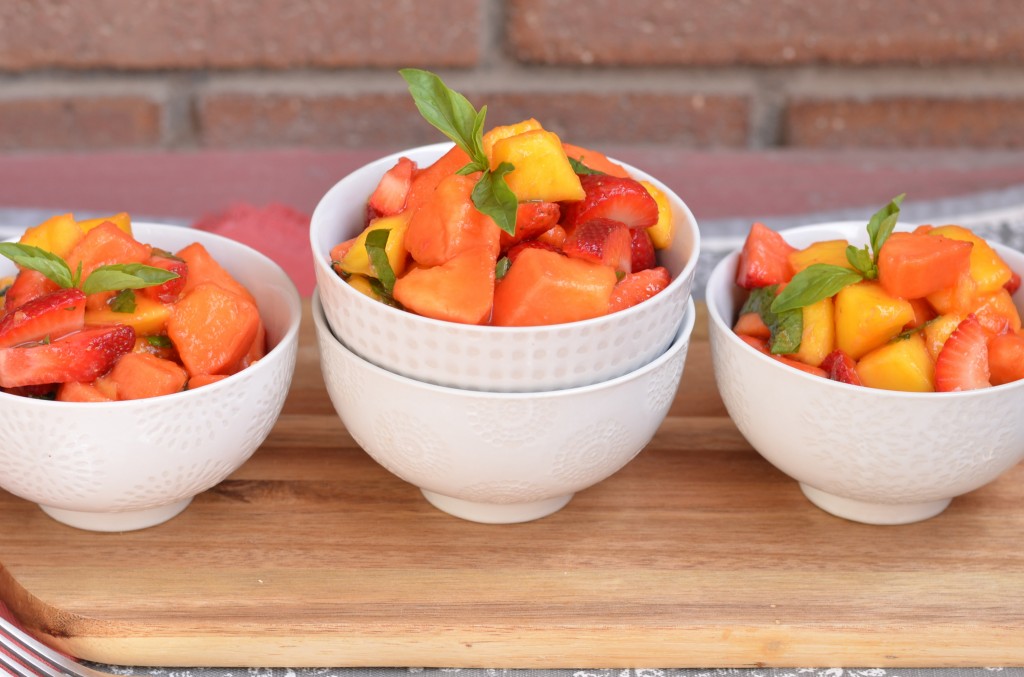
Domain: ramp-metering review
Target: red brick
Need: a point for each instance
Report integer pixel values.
(235, 119)
(906, 122)
(79, 123)
(192, 34)
(722, 32)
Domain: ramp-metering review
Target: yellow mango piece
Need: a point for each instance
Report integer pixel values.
(988, 269)
(938, 330)
(827, 251)
(505, 131)
(542, 170)
(121, 220)
(361, 284)
(997, 312)
(57, 235)
(149, 318)
(819, 333)
(867, 317)
(661, 232)
(904, 364)
(356, 260)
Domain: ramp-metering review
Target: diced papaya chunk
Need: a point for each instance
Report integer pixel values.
(988, 269)
(105, 245)
(426, 180)
(545, 287)
(751, 324)
(75, 391)
(459, 290)
(203, 269)
(1006, 358)
(200, 380)
(212, 328)
(913, 265)
(997, 313)
(764, 259)
(450, 224)
(141, 375)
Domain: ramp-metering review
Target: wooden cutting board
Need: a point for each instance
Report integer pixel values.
(697, 554)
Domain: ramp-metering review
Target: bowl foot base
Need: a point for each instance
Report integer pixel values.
(116, 521)
(873, 513)
(496, 513)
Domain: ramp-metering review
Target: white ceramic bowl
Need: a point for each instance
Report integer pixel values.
(868, 455)
(499, 457)
(500, 359)
(117, 466)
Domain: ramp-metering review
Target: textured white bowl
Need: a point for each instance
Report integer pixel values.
(500, 359)
(868, 455)
(117, 466)
(499, 457)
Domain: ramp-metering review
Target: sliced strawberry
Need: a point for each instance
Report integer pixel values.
(603, 241)
(28, 285)
(81, 356)
(841, 367)
(962, 364)
(612, 197)
(169, 291)
(532, 219)
(764, 259)
(514, 252)
(53, 315)
(643, 250)
(1013, 284)
(391, 193)
(637, 287)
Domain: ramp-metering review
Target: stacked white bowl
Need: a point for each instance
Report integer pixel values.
(496, 424)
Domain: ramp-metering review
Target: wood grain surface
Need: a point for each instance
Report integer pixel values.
(697, 554)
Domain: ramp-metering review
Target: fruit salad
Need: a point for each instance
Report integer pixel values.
(512, 227)
(926, 310)
(94, 315)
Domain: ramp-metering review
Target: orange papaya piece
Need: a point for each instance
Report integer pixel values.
(426, 180)
(200, 380)
(75, 391)
(459, 290)
(212, 328)
(914, 265)
(256, 351)
(595, 160)
(544, 287)
(141, 375)
(1006, 358)
(449, 224)
(751, 324)
(203, 268)
(106, 245)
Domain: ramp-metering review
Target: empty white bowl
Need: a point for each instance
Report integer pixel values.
(499, 457)
(868, 455)
(507, 359)
(118, 466)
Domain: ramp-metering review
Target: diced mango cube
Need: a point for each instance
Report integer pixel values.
(57, 235)
(867, 317)
(988, 269)
(938, 330)
(356, 260)
(121, 220)
(661, 232)
(819, 333)
(904, 364)
(505, 131)
(542, 170)
(149, 317)
(827, 251)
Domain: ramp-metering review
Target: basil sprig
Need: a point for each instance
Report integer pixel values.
(376, 249)
(114, 277)
(822, 280)
(453, 114)
(581, 169)
(787, 327)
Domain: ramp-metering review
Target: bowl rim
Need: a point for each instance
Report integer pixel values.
(724, 269)
(290, 335)
(679, 342)
(320, 261)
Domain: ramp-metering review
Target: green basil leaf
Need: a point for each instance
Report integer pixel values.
(447, 110)
(786, 328)
(904, 335)
(492, 196)
(39, 260)
(123, 302)
(581, 169)
(125, 276)
(861, 260)
(383, 295)
(501, 267)
(882, 223)
(159, 341)
(376, 243)
(812, 284)
(472, 168)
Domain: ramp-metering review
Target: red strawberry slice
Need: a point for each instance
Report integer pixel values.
(840, 367)
(636, 288)
(601, 241)
(1013, 284)
(516, 250)
(532, 219)
(390, 195)
(52, 315)
(962, 363)
(169, 291)
(81, 356)
(643, 250)
(28, 285)
(764, 259)
(612, 197)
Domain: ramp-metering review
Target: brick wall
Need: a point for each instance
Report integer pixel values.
(738, 74)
